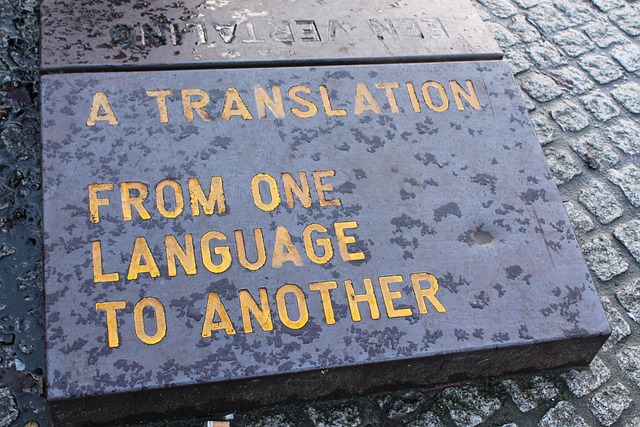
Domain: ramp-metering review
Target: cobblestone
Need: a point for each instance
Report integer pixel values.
(577, 12)
(518, 60)
(580, 221)
(629, 235)
(625, 135)
(627, 19)
(584, 381)
(8, 408)
(628, 179)
(428, 419)
(527, 393)
(526, 4)
(600, 68)
(603, 35)
(545, 55)
(628, 55)
(544, 128)
(620, 329)
(608, 404)
(500, 8)
(607, 5)
(576, 81)
(603, 259)
(628, 95)
(629, 362)
(600, 202)
(573, 43)
(593, 149)
(547, 18)
(503, 36)
(562, 166)
(522, 28)
(562, 415)
(600, 105)
(540, 87)
(629, 297)
(344, 415)
(468, 406)
(569, 116)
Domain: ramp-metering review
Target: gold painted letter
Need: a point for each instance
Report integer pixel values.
(161, 96)
(369, 297)
(303, 311)
(136, 201)
(426, 294)
(262, 314)
(110, 308)
(388, 296)
(273, 190)
(98, 275)
(161, 321)
(215, 306)
(190, 106)
(216, 197)
(100, 101)
(95, 201)
(344, 241)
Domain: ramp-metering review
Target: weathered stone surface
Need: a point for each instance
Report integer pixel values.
(608, 404)
(620, 329)
(518, 60)
(577, 12)
(8, 408)
(600, 202)
(563, 167)
(562, 415)
(629, 235)
(625, 135)
(347, 415)
(524, 30)
(583, 381)
(600, 105)
(628, 19)
(600, 68)
(628, 55)
(629, 361)
(628, 95)
(544, 128)
(628, 179)
(573, 43)
(528, 393)
(547, 18)
(503, 36)
(580, 221)
(594, 149)
(603, 258)
(629, 297)
(500, 8)
(602, 34)
(569, 116)
(540, 87)
(545, 55)
(607, 5)
(469, 406)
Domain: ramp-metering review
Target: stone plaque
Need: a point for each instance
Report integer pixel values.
(133, 34)
(220, 238)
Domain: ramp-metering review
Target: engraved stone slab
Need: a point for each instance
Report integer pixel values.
(131, 34)
(223, 238)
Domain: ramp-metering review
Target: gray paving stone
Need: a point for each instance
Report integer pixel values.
(602, 69)
(528, 393)
(600, 106)
(576, 81)
(526, 4)
(603, 34)
(504, 37)
(545, 55)
(603, 258)
(577, 11)
(600, 202)
(583, 381)
(562, 165)
(620, 329)
(629, 235)
(544, 128)
(580, 220)
(628, 95)
(635, 422)
(428, 419)
(483, 12)
(628, 55)
(268, 420)
(469, 406)
(540, 87)
(8, 408)
(573, 43)
(593, 149)
(627, 19)
(398, 406)
(524, 30)
(608, 404)
(625, 134)
(569, 116)
(547, 18)
(562, 415)
(343, 415)
(629, 298)
(517, 60)
(500, 8)
(629, 362)
(607, 5)
(628, 179)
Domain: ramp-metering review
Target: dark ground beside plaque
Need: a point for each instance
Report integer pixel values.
(132, 34)
(437, 172)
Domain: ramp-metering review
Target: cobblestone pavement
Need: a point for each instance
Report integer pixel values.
(578, 64)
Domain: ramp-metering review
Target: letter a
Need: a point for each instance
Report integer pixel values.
(100, 102)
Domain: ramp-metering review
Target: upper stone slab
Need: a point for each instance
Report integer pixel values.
(136, 34)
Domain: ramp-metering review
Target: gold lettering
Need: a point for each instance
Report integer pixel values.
(284, 250)
(95, 201)
(261, 252)
(273, 190)
(215, 198)
(223, 251)
(141, 251)
(110, 308)
(391, 96)
(249, 306)
(311, 108)
(413, 97)
(161, 321)
(365, 101)
(215, 306)
(98, 275)
(100, 102)
(426, 294)
(321, 188)
(325, 297)
(326, 103)
(264, 100)
(234, 106)
(388, 296)
(444, 106)
(302, 191)
(283, 313)
(136, 201)
(177, 195)
(344, 241)
(161, 96)
(189, 105)
(469, 96)
(354, 299)
(186, 256)
(324, 243)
